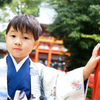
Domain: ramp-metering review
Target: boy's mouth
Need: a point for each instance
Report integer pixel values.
(17, 49)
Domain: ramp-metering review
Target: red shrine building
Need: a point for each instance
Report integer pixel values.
(49, 50)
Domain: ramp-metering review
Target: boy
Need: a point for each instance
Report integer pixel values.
(37, 82)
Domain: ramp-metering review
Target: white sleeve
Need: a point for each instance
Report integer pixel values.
(59, 86)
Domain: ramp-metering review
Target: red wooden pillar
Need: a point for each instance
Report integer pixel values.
(96, 86)
(49, 55)
(36, 55)
(37, 52)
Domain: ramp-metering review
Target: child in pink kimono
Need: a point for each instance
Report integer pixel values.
(34, 80)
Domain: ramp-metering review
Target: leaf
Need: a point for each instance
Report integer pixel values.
(95, 37)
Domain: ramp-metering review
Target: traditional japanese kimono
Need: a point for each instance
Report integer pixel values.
(43, 83)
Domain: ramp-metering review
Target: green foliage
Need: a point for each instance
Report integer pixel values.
(18, 7)
(25, 6)
(76, 22)
(3, 2)
(89, 93)
(95, 37)
(2, 34)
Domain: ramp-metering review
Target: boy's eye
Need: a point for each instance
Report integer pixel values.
(25, 37)
(13, 36)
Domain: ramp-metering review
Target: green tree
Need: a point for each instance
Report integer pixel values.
(94, 10)
(3, 2)
(75, 19)
(25, 6)
(18, 7)
(21, 6)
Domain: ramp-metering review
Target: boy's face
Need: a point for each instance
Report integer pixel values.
(18, 44)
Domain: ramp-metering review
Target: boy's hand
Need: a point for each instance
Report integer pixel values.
(22, 96)
(92, 63)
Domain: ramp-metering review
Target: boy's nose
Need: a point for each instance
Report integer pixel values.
(18, 42)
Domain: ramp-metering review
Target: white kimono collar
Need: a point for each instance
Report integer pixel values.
(18, 66)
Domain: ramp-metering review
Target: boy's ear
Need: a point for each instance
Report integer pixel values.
(5, 37)
(36, 44)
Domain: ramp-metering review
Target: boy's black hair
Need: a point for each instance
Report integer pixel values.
(26, 23)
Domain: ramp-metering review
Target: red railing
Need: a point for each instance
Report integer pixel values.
(96, 84)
